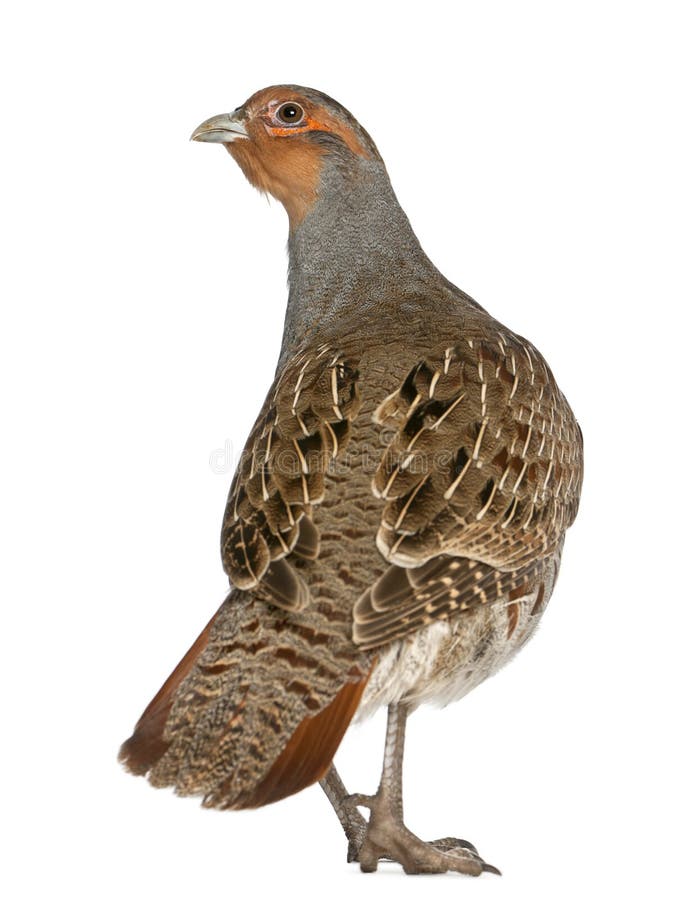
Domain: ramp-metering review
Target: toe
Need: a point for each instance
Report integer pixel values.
(457, 846)
(450, 843)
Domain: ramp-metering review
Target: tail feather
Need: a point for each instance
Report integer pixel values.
(308, 754)
(147, 745)
(256, 709)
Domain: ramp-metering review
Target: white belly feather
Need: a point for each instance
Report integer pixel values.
(444, 661)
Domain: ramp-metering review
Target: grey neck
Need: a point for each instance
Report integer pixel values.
(353, 253)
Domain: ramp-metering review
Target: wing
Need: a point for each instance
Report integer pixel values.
(480, 480)
(304, 425)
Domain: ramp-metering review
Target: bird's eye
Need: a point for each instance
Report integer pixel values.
(290, 113)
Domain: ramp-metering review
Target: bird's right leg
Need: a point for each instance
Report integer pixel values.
(387, 837)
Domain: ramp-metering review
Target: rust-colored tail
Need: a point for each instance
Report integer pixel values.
(146, 745)
(255, 710)
(307, 756)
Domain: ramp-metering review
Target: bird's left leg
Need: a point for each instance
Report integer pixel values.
(387, 837)
(353, 823)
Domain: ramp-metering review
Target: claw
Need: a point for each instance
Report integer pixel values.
(352, 853)
(487, 868)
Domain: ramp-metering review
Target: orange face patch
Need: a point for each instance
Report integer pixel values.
(319, 120)
(278, 158)
(288, 170)
(307, 124)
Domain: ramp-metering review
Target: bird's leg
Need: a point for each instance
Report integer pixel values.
(353, 823)
(386, 836)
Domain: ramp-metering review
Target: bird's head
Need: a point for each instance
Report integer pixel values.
(284, 137)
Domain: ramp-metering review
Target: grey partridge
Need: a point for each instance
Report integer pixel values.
(395, 525)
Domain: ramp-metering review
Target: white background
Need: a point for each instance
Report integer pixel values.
(142, 299)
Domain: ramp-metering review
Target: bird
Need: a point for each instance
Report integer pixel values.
(395, 524)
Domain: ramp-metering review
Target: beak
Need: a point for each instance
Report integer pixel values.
(220, 130)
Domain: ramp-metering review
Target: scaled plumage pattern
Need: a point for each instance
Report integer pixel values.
(395, 526)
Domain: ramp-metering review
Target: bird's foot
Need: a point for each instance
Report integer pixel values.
(386, 837)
